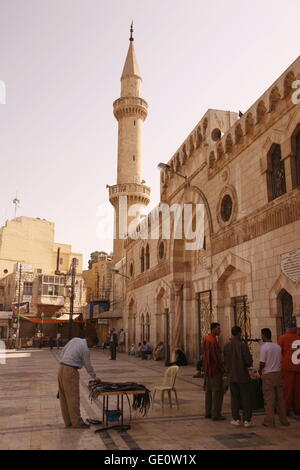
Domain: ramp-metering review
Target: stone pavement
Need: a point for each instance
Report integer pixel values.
(30, 416)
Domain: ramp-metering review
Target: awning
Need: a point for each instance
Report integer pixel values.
(5, 315)
(107, 316)
(50, 320)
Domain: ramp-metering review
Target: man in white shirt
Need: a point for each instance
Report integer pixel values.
(269, 369)
(73, 357)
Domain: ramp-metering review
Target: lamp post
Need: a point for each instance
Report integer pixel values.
(164, 166)
(167, 336)
(42, 332)
(19, 299)
(72, 297)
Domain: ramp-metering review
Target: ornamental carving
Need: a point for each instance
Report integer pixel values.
(271, 217)
(227, 206)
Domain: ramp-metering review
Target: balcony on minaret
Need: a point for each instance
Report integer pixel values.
(134, 192)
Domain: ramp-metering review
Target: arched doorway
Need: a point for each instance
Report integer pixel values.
(160, 320)
(286, 307)
(132, 323)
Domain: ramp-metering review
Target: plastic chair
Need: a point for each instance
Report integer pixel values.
(168, 386)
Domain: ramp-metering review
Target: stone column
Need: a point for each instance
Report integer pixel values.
(178, 317)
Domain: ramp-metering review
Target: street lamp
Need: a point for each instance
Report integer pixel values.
(116, 271)
(164, 166)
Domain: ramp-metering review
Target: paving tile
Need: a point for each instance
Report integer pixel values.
(30, 416)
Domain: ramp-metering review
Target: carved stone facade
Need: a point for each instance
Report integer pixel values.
(237, 275)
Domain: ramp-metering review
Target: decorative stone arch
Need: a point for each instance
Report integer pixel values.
(274, 98)
(220, 150)
(249, 124)
(274, 138)
(261, 111)
(197, 196)
(132, 316)
(239, 135)
(283, 283)
(199, 137)
(163, 286)
(131, 301)
(229, 144)
(229, 264)
(287, 84)
(212, 159)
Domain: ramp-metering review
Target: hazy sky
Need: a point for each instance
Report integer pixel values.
(62, 60)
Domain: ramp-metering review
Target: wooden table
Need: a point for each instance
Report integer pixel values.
(105, 407)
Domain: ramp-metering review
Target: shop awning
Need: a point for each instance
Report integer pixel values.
(50, 320)
(5, 315)
(107, 316)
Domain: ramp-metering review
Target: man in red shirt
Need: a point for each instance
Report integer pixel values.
(213, 373)
(290, 372)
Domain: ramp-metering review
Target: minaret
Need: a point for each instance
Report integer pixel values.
(130, 111)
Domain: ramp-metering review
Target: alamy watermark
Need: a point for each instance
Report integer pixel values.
(296, 354)
(180, 222)
(2, 352)
(296, 94)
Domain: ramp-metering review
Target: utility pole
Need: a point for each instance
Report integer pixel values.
(19, 300)
(72, 297)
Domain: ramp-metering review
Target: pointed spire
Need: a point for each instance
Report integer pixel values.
(131, 66)
(131, 32)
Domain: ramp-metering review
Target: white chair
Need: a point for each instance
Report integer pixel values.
(168, 386)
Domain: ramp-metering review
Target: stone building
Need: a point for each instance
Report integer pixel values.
(245, 173)
(35, 269)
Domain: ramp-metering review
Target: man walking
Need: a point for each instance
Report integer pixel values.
(290, 372)
(237, 360)
(213, 373)
(113, 343)
(74, 356)
(270, 359)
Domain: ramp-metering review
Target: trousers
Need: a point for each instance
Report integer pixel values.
(273, 397)
(214, 393)
(291, 390)
(68, 386)
(241, 400)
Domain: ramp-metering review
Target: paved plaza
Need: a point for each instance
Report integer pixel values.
(30, 416)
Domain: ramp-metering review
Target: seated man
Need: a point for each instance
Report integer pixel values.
(132, 351)
(146, 350)
(180, 359)
(159, 352)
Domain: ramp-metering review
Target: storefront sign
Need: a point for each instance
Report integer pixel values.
(102, 322)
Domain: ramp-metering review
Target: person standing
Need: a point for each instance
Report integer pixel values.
(73, 357)
(58, 336)
(290, 372)
(121, 340)
(113, 343)
(213, 373)
(269, 370)
(237, 360)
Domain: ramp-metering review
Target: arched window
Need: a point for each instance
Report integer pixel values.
(142, 328)
(276, 186)
(147, 332)
(286, 301)
(147, 257)
(142, 260)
